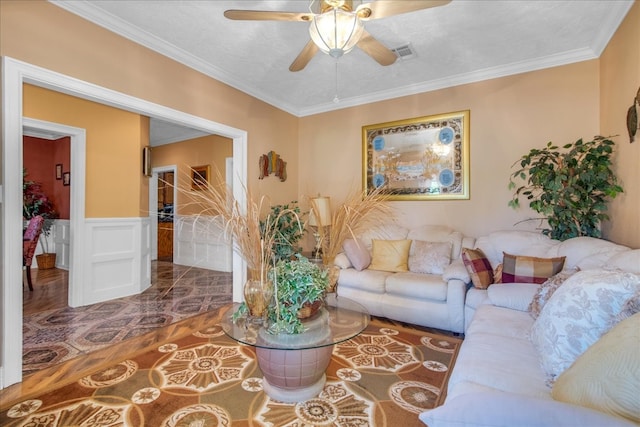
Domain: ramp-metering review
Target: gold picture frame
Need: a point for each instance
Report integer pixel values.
(424, 158)
(200, 176)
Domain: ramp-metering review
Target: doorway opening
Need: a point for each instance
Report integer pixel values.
(16, 73)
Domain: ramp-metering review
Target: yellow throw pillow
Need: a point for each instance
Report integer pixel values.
(390, 255)
(606, 377)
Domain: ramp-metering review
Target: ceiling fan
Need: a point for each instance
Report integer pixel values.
(338, 27)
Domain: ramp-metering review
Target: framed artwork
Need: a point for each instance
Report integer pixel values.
(59, 171)
(200, 176)
(66, 178)
(425, 158)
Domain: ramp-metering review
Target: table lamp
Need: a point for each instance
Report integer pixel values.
(319, 218)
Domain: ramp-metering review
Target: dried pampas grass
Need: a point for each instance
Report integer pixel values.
(254, 245)
(361, 211)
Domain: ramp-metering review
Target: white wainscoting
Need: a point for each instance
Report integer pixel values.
(61, 242)
(58, 241)
(116, 259)
(199, 241)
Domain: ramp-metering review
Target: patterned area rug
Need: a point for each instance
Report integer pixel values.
(385, 376)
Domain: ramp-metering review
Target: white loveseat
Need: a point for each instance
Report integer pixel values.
(500, 377)
(433, 300)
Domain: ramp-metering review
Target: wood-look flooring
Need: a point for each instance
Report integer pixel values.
(51, 292)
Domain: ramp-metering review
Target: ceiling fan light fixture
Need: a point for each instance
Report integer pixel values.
(336, 31)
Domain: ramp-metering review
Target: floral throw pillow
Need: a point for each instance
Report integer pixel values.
(546, 290)
(578, 314)
(429, 257)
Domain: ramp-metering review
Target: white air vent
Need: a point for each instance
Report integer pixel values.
(404, 52)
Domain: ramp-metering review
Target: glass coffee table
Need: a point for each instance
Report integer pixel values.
(294, 365)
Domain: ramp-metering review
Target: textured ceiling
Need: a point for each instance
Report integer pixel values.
(461, 42)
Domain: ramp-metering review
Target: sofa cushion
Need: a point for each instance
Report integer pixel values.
(607, 376)
(625, 260)
(497, 409)
(527, 243)
(588, 252)
(516, 296)
(505, 322)
(368, 280)
(429, 257)
(528, 269)
(478, 267)
(390, 255)
(386, 231)
(357, 253)
(578, 313)
(417, 285)
(545, 291)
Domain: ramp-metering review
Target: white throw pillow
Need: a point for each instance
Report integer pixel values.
(578, 314)
(499, 409)
(429, 257)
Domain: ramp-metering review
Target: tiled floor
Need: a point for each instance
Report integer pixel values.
(177, 292)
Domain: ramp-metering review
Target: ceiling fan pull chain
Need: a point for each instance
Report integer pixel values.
(335, 98)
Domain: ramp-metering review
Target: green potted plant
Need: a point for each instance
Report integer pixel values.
(570, 188)
(285, 225)
(35, 202)
(299, 290)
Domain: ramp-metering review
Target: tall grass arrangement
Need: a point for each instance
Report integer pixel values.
(253, 233)
(359, 212)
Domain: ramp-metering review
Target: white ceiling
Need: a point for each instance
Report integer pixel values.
(462, 42)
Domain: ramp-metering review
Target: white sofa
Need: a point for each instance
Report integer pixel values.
(500, 378)
(433, 300)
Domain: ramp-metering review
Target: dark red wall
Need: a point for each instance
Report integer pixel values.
(40, 158)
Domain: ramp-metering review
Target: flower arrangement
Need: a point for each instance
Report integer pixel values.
(35, 202)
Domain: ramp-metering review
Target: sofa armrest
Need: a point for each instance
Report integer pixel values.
(341, 260)
(456, 270)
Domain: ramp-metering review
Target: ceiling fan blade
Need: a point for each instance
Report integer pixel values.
(383, 8)
(265, 15)
(376, 50)
(304, 57)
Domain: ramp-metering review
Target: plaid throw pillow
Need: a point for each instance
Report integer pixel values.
(528, 269)
(478, 267)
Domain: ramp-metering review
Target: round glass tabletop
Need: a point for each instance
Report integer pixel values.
(338, 320)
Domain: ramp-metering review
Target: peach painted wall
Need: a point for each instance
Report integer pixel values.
(40, 158)
(114, 150)
(509, 116)
(619, 83)
(208, 150)
(40, 33)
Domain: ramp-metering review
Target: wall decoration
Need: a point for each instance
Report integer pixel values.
(200, 176)
(66, 178)
(59, 171)
(146, 161)
(425, 158)
(272, 163)
(633, 114)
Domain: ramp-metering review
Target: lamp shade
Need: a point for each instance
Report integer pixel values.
(322, 206)
(336, 32)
